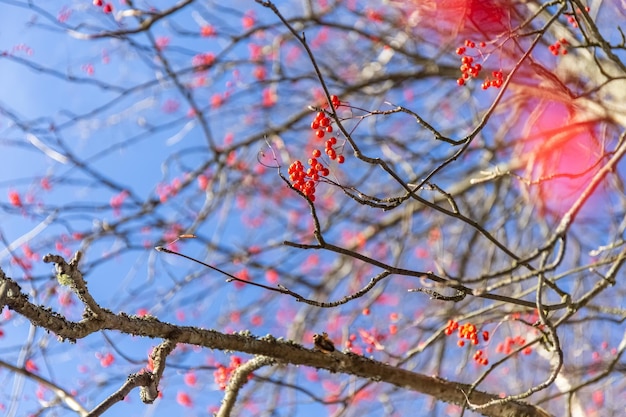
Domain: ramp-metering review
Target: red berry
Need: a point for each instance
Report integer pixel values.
(14, 199)
(108, 8)
(316, 153)
(325, 122)
(97, 3)
(315, 125)
(319, 134)
(341, 159)
(460, 51)
(329, 129)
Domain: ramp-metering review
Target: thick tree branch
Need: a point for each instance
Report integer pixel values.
(284, 351)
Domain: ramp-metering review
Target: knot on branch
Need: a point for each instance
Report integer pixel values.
(9, 289)
(150, 380)
(69, 275)
(64, 270)
(149, 386)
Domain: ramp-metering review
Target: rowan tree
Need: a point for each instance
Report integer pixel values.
(312, 208)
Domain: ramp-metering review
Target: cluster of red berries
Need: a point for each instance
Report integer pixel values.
(480, 359)
(305, 180)
(106, 8)
(470, 69)
(506, 347)
(498, 79)
(322, 125)
(559, 47)
(468, 331)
